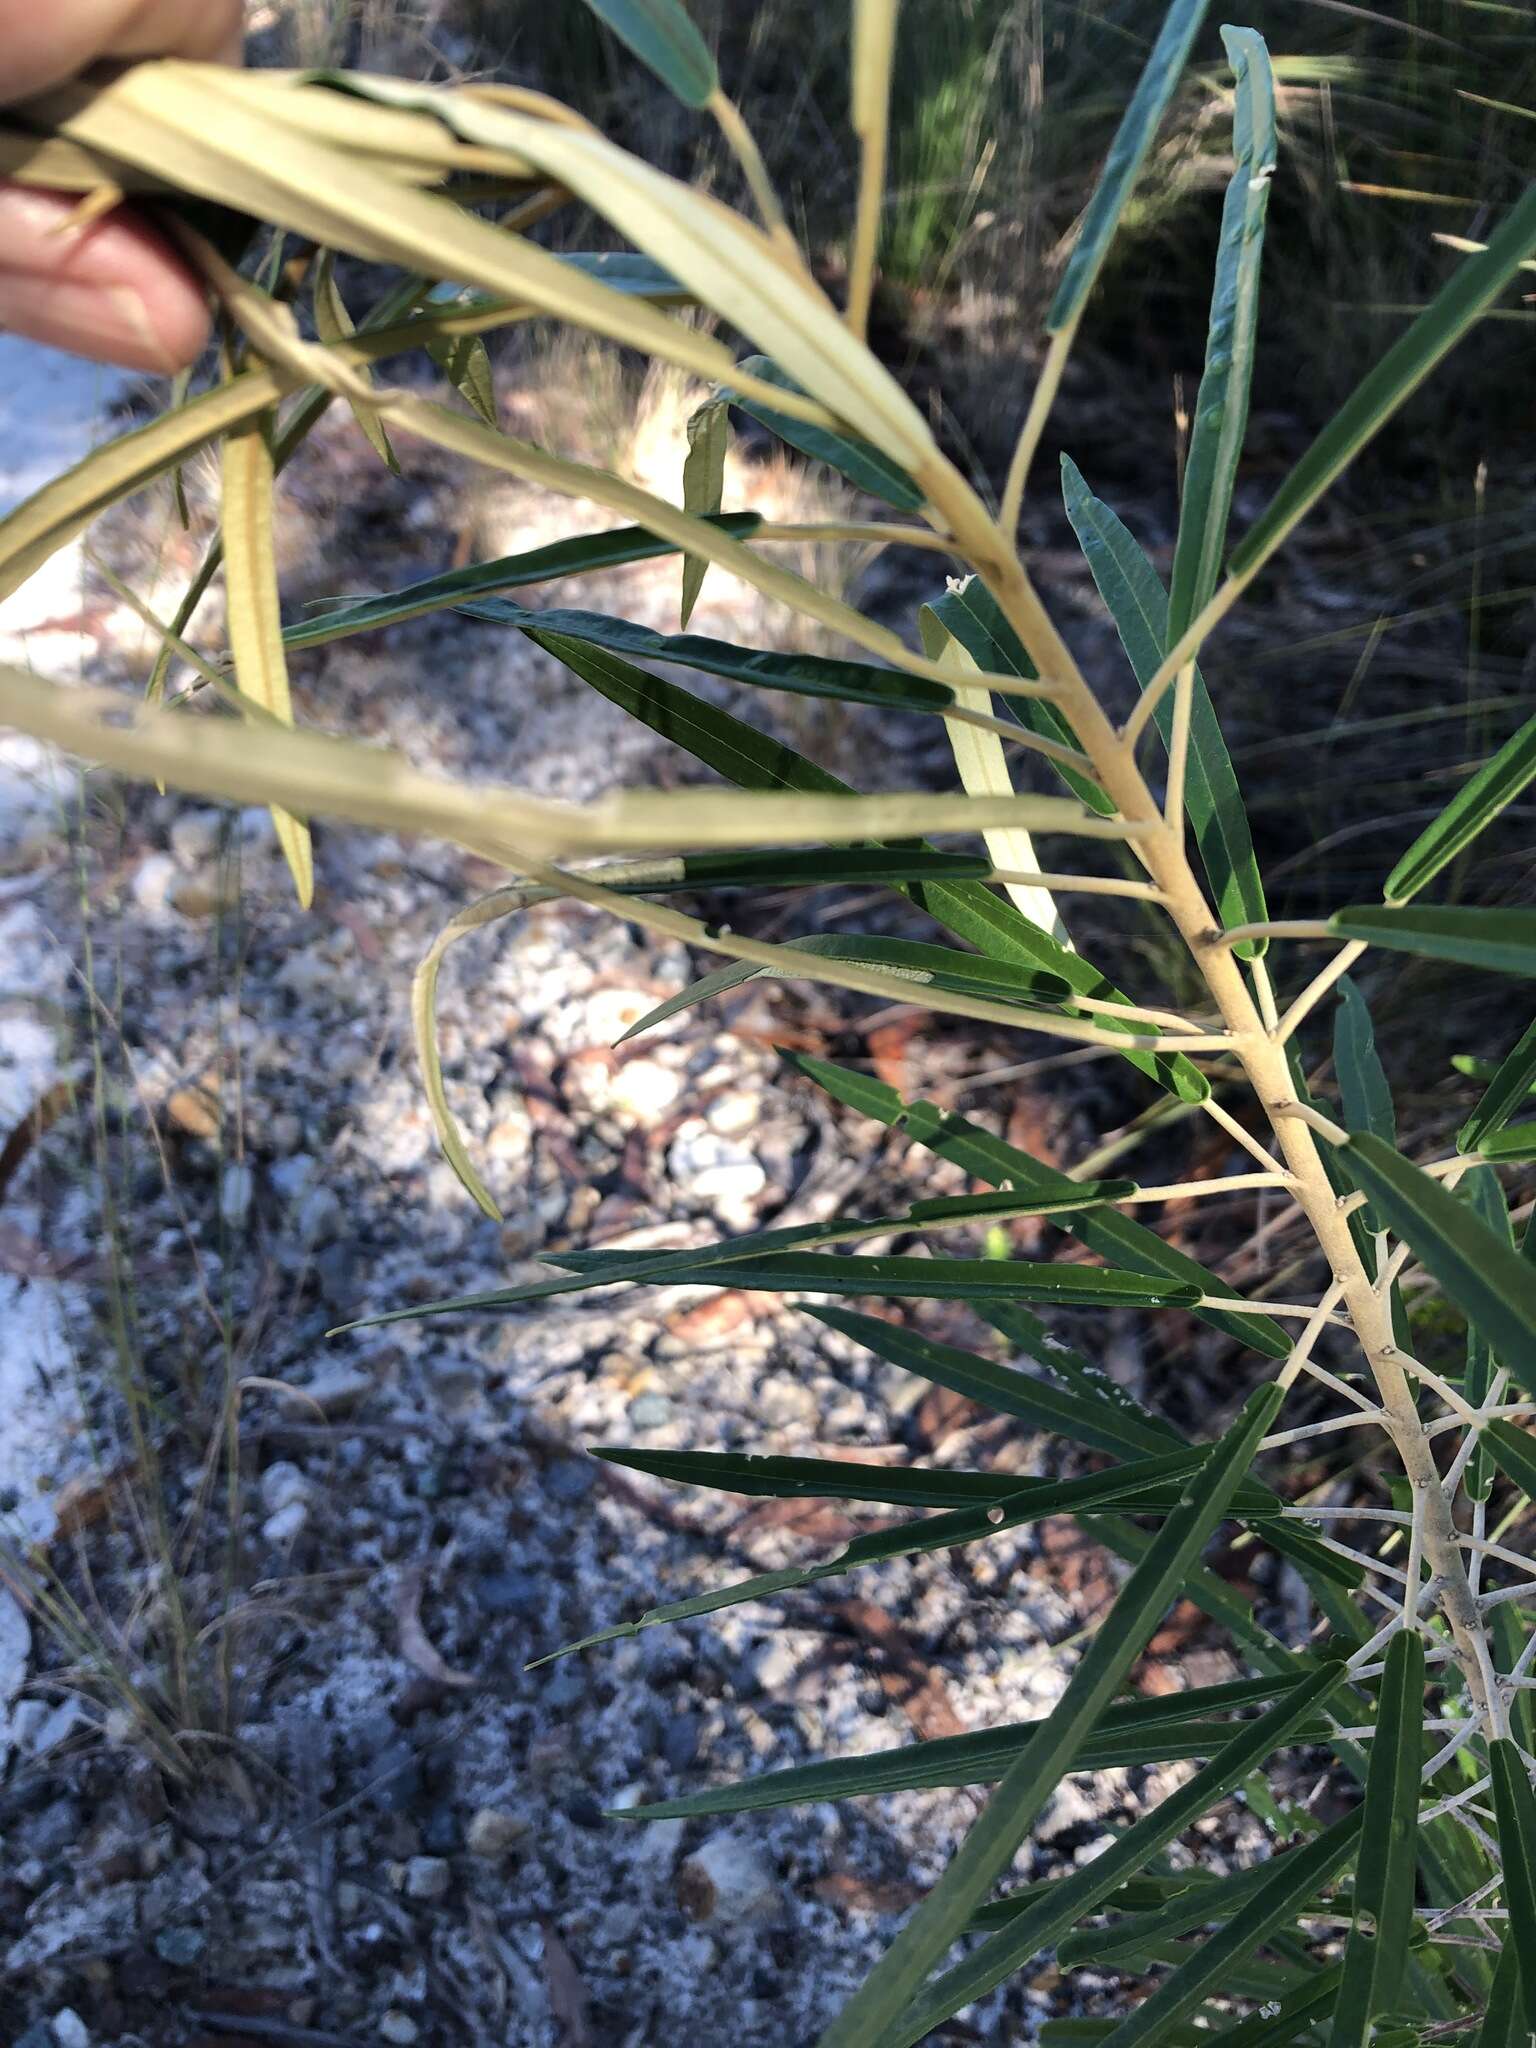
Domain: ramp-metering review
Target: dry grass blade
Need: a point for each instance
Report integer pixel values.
(255, 623)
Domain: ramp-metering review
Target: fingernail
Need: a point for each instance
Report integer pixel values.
(105, 323)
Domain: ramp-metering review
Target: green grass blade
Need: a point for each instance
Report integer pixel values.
(1000, 1164)
(859, 461)
(1508, 1087)
(1514, 1803)
(1376, 1955)
(661, 33)
(1504, 941)
(1504, 2022)
(1482, 1192)
(1127, 153)
(1130, 587)
(1476, 804)
(1483, 1275)
(460, 586)
(877, 2007)
(1042, 1924)
(1363, 1085)
(1221, 408)
(1455, 308)
(1293, 1879)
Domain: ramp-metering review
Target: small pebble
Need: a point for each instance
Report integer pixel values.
(69, 2030)
(286, 1526)
(427, 1877)
(398, 2027)
(494, 1833)
(281, 1484)
(235, 1191)
(180, 1946)
(650, 1411)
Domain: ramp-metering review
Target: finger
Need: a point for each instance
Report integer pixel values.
(114, 291)
(43, 42)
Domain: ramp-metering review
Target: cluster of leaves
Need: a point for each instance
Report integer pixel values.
(1389, 1920)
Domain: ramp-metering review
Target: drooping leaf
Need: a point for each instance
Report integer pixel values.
(1497, 783)
(1455, 308)
(952, 1136)
(860, 462)
(1502, 940)
(1127, 153)
(1124, 1735)
(1363, 1086)
(1142, 1933)
(1131, 588)
(1508, 1087)
(974, 617)
(1482, 1274)
(1514, 1803)
(466, 363)
(709, 442)
(1514, 1452)
(255, 625)
(333, 323)
(880, 2003)
(573, 557)
(1376, 1955)
(1040, 1925)
(662, 34)
(1221, 407)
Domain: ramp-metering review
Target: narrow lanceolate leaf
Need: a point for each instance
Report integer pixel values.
(827, 867)
(709, 442)
(946, 1280)
(1293, 1879)
(877, 2007)
(1386, 1868)
(1126, 1732)
(1514, 1452)
(970, 613)
(1000, 1164)
(466, 363)
(1149, 1488)
(255, 619)
(1514, 1802)
(803, 675)
(1213, 803)
(661, 33)
(1512, 1146)
(859, 461)
(1502, 940)
(1506, 1091)
(1497, 783)
(1481, 1273)
(1221, 409)
(1042, 1924)
(1483, 1194)
(1504, 2023)
(1143, 1933)
(333, 324)
(1453, 310)
(575, 557)
(1281, 2021)
(1127, 153)
(984, 771)
(1363, 1085)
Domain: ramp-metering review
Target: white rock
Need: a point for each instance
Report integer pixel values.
(153, 881)
(398, 2027)
(320, 1217)
(493, 1833)
(427, 1877)
(286, 1525)
(195, 836)
(735, 1113)
(727, 1880)
(281, 1484)
(235, 1191)
(643, 1092)
(292, 1176)
(715, 1169)
(69, 2030)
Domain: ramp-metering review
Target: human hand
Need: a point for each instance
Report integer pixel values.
(114, 290)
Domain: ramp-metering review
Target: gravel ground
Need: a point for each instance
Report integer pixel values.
(302, 1787)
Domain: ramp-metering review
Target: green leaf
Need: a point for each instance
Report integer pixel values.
(626, 270)
(1298, 2013)
(1376, 1955)
(1507, 1088)
(1043, 1923)
(972, 615)
(1512, 1146)
(859, 461)
(1292, 1880)
(1221, 408)
(1139, 1933)
(1483, 1275)
(1363, 1085)
(1497, 783)
(333, 324)
(1130, 587)
(709, 442)
(1121, 1740)
(1127, 153)
(1504, 940)
(1100, 1426)
(661, 33)
(1515, 1805)
(1504, 2025)
(1514, 1452)
(937, 1279)
(1456, 307)
(995, 1838)
(951, 1136)
(464, 361)
(1148, 1488)
(825, 867)
(1482, 1191)
(540, 565)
